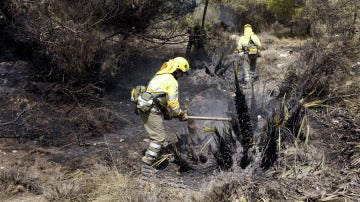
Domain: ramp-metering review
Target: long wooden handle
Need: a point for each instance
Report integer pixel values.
(209, 118)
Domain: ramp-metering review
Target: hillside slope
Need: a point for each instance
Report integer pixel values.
(55, 150)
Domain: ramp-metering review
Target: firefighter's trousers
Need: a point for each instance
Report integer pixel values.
(153, 123)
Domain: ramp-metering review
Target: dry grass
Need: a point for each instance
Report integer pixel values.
(100, 184)
(306, 174)
(109, 185)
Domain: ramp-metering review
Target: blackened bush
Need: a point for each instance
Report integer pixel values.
(71, 33)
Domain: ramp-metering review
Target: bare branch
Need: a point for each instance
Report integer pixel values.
(13, 121)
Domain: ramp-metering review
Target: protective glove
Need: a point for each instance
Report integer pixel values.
(245, 48)
(182, 116)
(166, 114)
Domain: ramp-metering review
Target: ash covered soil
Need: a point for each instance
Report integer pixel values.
(44, 141)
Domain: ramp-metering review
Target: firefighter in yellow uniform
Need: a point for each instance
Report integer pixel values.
(248, 47)
(163, 87)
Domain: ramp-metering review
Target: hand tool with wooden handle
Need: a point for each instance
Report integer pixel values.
(209, 118)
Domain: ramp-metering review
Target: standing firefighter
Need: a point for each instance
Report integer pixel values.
(159, 102)
(249, 49)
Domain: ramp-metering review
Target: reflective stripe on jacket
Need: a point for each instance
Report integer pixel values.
(168, 85)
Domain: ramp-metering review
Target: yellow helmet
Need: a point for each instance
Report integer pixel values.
(182, 64)
(247, 25)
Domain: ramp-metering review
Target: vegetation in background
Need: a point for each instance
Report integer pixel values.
(321, 87)
(86, 39)
(283, 9)
(82, 37)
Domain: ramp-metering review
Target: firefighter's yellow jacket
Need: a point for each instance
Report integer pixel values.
(249, 40)
(164, 83)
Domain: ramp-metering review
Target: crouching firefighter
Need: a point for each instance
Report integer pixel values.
(159, 102)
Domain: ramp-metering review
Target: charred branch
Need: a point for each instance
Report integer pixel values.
(13, 121)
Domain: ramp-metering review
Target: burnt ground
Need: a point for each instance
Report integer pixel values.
(44, 141)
